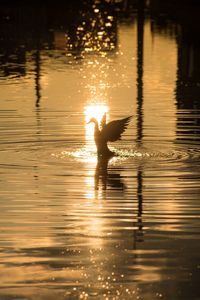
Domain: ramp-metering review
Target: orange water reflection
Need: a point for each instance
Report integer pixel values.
(96, 111)
(56, 204)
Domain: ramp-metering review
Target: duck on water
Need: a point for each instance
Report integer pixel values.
(109, 132)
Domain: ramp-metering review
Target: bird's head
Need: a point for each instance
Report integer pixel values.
(92, 120)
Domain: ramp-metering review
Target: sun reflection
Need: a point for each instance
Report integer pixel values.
(96, 224)
(96, 111)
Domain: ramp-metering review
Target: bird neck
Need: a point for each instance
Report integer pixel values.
(96, 126)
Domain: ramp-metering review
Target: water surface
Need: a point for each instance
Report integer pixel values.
(72, 226)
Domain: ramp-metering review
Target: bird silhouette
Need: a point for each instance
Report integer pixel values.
(109, 132)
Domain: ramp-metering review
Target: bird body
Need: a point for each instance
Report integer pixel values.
(109, 132)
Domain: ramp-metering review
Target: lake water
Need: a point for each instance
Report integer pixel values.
(73, 227)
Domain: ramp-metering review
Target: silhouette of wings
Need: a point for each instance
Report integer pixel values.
(113, 130)
(103, 121)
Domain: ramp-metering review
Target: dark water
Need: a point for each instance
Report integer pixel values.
(72, 227)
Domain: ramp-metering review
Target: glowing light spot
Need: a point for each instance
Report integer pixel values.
(95, 111)
(108, 24)
(100, 33)
(110, 18)
(80, 28)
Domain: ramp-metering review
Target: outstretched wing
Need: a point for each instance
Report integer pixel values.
(113, 130)
(103, 121)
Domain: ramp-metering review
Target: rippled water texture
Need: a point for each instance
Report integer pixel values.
(73, 226)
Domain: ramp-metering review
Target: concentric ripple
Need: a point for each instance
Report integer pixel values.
(170, 156)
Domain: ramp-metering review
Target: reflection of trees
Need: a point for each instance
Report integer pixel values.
(140, 61)
(188, 69)
(140, 46)
(188, 83)
(86, 26)
(172, 18)
(12, 61)
(37, 77)
(22, 26)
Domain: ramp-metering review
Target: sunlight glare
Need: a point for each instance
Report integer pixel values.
(93, 111)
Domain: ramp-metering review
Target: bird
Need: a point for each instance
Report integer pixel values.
(109, 132)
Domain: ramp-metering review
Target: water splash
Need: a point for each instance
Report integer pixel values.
(175, 155)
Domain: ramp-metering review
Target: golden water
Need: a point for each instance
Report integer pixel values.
(72, 227)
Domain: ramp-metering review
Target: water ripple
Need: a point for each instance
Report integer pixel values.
(174, 155)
